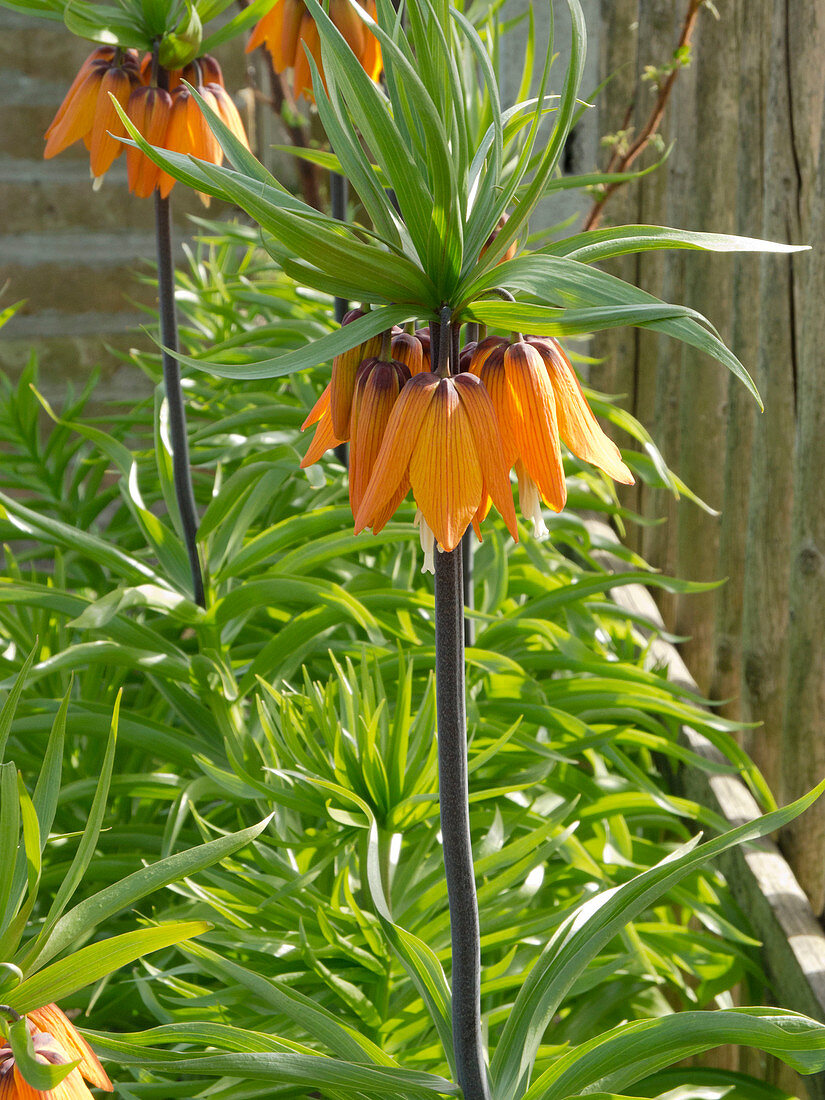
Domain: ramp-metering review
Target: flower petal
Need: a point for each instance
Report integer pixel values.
(322, 441)
(393, 461)
(229, 112)
(177, 136)
(486, 436)
(318, 409)
(302, 80)
(494, 379)
(578, 427)
(101, 54)
(107, 127)
(535, 429)
(444, 469)
(79, 114)
(376, 392)
(267, 31)
(149, 109)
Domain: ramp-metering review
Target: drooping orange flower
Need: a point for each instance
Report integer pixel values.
(538, 400)
(55, 1041)
(344, 369)
(188, 131)
(150, 109)
(377, 388)
(288, 26)
(442, 436)
(87, 112)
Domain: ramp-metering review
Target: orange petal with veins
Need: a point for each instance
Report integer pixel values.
(52, 1019)
(393, 462)
(107, 127)
(78, 117)
(578, 427)
(494, 470)
(376, 392)
(445, 471)
(534, 424)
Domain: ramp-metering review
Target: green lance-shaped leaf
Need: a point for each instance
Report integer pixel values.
(314, 1019)
(580, 938)
(319, 351)
(96, 961)
(9, 839)
(107, 24)
(564, 121)
(419, 960)
(308, 1071)
(83, 855)
(604, 244)
(41, 1076)
(626, 1054)
(105, 903)
(11, 701)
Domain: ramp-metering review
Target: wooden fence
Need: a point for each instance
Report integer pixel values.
(747, 118)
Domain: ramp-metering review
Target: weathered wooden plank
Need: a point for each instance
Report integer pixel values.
(708, 288)
(803, 744)
(753, 20)
(758, 874)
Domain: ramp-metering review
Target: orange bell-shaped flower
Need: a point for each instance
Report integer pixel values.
(538, 400)
(377, 387)
(442, 435)
(288, 25)
(150, 110)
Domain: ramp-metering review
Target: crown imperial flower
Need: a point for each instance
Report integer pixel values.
(169, 119)
(538, 400)
(442, 436)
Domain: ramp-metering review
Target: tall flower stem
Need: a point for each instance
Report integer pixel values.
(454, 801)
(338, 195)
(182, 474)
(455, 826)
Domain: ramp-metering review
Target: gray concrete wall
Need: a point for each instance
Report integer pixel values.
(71, 253)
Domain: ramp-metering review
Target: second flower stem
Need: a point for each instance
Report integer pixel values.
(181, 471)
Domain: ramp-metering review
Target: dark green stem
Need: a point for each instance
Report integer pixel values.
(455, 827)
(338, 195)
(182, 474)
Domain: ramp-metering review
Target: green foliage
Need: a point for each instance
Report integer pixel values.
(440, 169)
(327, 956)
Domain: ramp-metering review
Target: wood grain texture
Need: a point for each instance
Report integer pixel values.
(759, 877)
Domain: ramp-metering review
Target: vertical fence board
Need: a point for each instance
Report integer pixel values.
(659, 545)
(753, 23)
(803, 743)
(709, 288)
(795, 84)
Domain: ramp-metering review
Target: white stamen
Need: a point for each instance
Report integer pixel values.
(530, 504)
(97, 183)
(427, 544)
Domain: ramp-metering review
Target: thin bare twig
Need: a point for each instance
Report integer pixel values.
(621, 162)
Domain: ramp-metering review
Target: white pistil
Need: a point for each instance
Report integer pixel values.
(427, 544)
(530, 504)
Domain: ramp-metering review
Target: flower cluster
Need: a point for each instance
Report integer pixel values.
(55, 1042)
(453, 439)
(168, 118)
(288, 27)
